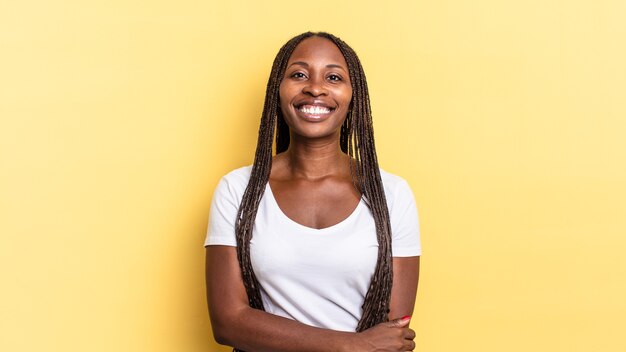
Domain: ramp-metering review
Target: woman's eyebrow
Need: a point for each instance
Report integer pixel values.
(335, 66)
(302, 63)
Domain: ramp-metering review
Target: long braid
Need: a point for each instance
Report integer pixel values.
(260, 173)
(357, 139)
(361, 134)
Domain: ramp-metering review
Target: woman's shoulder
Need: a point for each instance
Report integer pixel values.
(397, 189)
(239, 175)
(234, 183)
(392, 182)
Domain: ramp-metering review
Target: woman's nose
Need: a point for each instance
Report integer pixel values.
(315, 87)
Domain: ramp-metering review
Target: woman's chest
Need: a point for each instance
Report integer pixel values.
(345, 251)
(319, 204)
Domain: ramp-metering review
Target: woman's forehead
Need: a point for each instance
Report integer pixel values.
(318, 49)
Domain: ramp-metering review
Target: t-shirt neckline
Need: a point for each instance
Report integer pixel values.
(342, 223)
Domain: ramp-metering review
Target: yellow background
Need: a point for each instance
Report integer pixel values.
(506, 117)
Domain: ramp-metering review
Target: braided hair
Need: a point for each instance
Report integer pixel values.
(357, 140)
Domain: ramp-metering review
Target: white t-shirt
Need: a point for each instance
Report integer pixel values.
(318, 277)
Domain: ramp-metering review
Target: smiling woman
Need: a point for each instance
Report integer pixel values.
(315, 248)
(315, 93)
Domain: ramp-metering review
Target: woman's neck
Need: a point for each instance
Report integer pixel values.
(315, 159)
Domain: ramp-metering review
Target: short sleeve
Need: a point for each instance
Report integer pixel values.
(404, 220)
(223, 215)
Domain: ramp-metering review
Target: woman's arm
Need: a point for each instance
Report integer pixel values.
(405, 277)
(234, 323)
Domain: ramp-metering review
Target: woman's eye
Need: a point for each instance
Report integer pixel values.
(334, 78)
(298, 75)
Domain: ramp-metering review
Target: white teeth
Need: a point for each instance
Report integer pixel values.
(314, 109)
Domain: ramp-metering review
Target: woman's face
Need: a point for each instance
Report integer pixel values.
(315, 92)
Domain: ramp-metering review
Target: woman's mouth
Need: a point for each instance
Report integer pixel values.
(314, 111)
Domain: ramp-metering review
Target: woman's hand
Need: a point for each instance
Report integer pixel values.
(393, 336)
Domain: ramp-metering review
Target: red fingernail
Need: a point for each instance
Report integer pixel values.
(406, 317)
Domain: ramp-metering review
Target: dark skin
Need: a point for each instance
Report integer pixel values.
(313, 186)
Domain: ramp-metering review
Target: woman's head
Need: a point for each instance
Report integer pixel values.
(315, 92)
(360, 96)
(356, 138)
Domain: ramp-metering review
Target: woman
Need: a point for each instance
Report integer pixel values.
(315, 248)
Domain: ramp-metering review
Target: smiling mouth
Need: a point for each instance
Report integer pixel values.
(315, 110)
